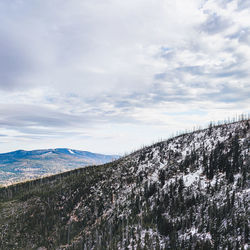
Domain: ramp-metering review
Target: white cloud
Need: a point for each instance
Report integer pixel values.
(121, 68)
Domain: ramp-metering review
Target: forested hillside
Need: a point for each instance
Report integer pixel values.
(189, 192)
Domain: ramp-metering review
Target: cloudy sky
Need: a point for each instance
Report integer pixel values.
(109, 76)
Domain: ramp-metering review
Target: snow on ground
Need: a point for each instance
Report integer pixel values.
(48, 153)
(71, 151)
(191, 178)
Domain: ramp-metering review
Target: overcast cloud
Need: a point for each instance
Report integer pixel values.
(110, 76)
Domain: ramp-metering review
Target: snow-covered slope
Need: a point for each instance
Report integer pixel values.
(189, 192)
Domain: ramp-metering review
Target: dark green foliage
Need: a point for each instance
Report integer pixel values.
(120, 206)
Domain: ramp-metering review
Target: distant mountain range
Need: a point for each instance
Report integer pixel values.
(22, 165)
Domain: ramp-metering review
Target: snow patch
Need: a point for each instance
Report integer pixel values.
(71, 152)
(190, 178)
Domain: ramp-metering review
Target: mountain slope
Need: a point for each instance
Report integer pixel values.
(22, 165)
(189, 192)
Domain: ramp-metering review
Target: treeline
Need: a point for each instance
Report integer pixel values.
(11, 191)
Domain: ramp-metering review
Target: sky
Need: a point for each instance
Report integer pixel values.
(111, 76)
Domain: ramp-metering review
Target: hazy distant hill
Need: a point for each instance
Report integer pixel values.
(189, 192)
(21, 164)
